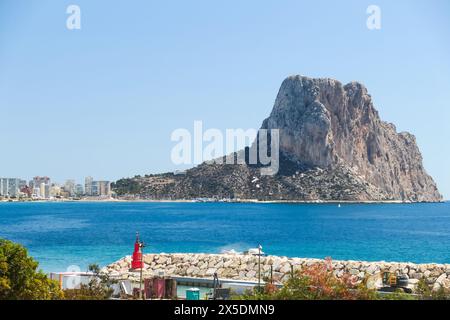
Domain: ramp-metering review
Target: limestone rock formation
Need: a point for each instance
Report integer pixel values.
(326, 124)
(333, 146)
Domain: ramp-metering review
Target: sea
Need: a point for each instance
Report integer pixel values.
(64, 236)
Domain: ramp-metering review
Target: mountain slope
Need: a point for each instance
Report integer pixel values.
(333, 146)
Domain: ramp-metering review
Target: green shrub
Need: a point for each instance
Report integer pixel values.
(426, 293)
(20, 278)
(98, 288)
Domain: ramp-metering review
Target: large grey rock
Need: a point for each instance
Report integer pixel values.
(441, 278)
(326, 124)
(333, 146)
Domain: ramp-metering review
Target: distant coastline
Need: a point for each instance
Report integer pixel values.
(115, 200)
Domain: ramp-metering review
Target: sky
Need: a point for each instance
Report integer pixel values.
(103, 100)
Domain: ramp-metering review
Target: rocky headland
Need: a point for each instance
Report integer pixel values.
(333, 147)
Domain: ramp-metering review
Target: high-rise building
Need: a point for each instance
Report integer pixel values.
(69, 187)
(22, 184)
(42, 193)
(88, 186)
(36, 182)
(104, 188)
(4, 186)
(97, 188)
(9, 187)
(36, 192)
(79, 191)
(40, 187)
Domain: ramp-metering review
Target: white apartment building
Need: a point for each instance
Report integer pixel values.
(9, 187)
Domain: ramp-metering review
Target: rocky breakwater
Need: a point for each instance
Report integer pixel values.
(245, 267)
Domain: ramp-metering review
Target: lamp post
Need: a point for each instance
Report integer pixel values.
(259, 268)
(141, 246)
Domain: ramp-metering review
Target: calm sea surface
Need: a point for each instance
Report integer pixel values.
(62, 234)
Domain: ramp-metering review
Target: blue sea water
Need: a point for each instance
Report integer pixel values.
(59, 235)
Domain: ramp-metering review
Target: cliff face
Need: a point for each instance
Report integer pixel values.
(323, 123)
(333, 146)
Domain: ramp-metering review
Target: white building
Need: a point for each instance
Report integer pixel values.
(9, 187)
(69, 187)
(88, 186)
(44, 191)
(97, 188)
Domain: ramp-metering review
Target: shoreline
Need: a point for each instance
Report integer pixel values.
(243, 201)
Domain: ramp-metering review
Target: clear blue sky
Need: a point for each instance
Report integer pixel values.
(103, 100)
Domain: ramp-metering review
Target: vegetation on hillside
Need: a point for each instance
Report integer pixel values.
(126, 186)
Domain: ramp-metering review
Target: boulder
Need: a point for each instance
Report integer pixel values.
(372, 269)
(211, 271)
(228, 263)
(286, 268)
(251, 274)
(277, 276)
(161, 260)
(441, 278)
(436, 287)
(354, 272)
(446, 284)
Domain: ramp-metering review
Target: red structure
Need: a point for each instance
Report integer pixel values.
(27, 191)
(136, 262)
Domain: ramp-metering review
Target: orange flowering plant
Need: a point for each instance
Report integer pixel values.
(319, 282)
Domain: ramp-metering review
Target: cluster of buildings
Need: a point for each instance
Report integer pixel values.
(43, 188)
(96, 188)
